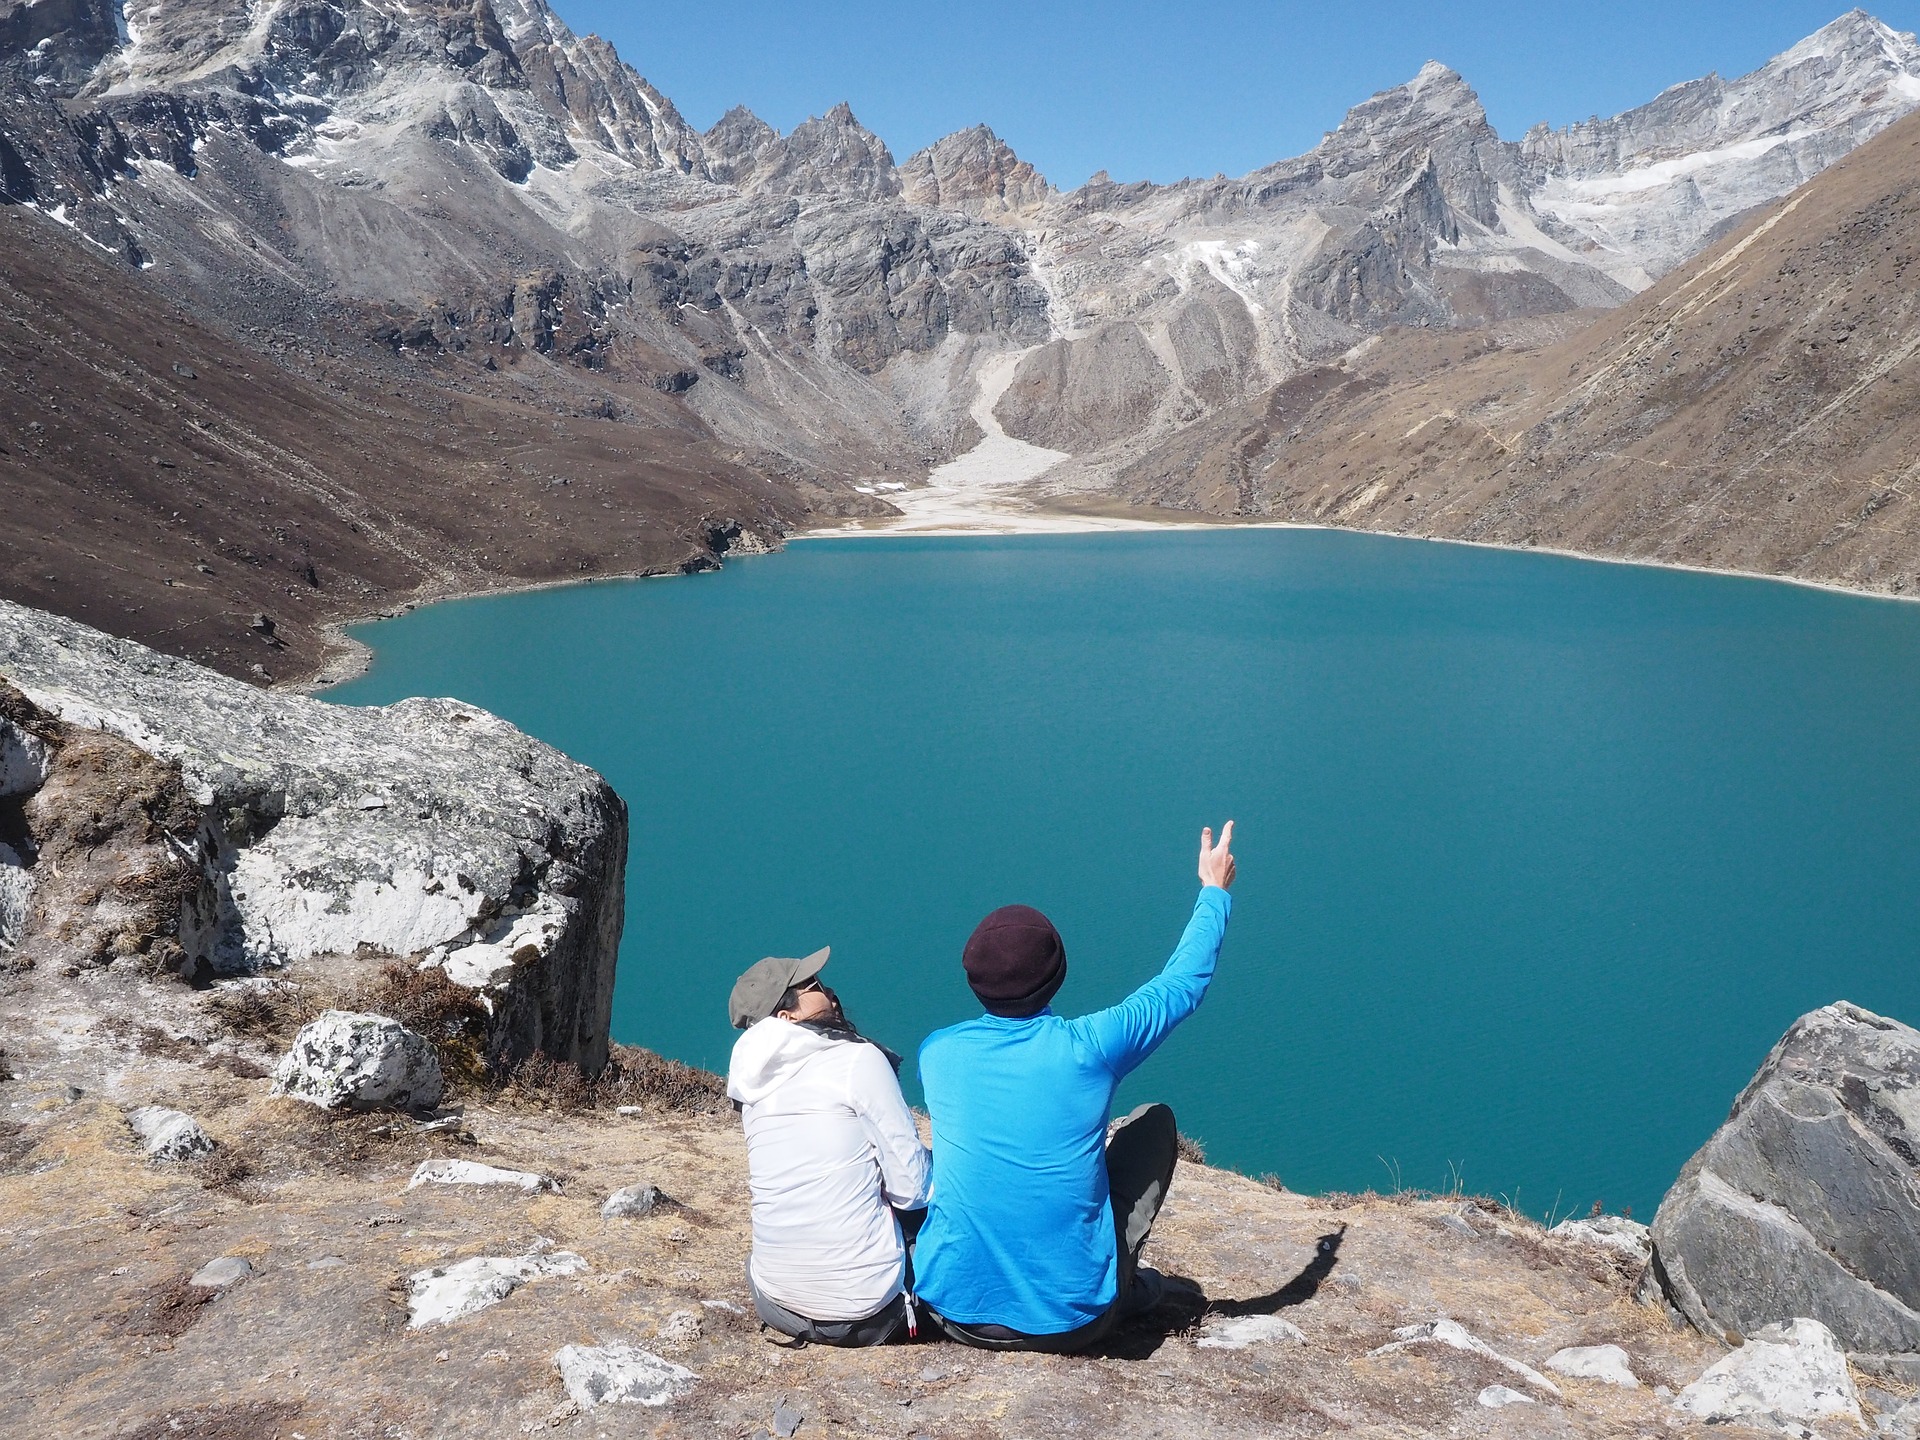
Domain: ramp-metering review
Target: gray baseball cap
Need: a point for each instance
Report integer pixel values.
(759, 990)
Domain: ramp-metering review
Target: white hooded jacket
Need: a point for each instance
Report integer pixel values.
(831, 1148)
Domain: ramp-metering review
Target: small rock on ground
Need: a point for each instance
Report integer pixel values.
(1248, 1330)
(1497, 1397)
(439, 1294)
(682, 1327)
(344, 1059)
(1607, 1363)
(630, 1200)
(1456, 1336)
(786, 1420)
(169, 1134)
(471, 1172)
(620, 1374)
(221, 1272)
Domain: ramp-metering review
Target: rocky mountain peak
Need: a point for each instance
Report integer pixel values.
(975, 171)
(735, 145)
(831, 154)
(1435, 110)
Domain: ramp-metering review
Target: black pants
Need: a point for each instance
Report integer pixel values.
(889, 1322)
(1140, 1156)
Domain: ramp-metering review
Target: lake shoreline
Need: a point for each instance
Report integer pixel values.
(351, 657)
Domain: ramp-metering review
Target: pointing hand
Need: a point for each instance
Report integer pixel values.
(1216, 861)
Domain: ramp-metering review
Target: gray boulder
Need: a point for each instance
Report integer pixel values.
(348, 1061)
(220, 1272)
(427, 828)
(1806, 1202)
(630, 1200)
(620, 1374)
(1628, 1238)
(169, 1134)
(1790, 1372)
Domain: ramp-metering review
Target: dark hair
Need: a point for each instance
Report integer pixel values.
(788, 1001)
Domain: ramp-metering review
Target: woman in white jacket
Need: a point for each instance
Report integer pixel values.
(832, 1153)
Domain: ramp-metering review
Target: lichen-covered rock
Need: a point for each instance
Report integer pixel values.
(472, 1172)
(1609, 1232)
(16, 897)
(221, 1272)
(442, 1294)
(630, 1200)
(360, 1062)
(426, 828)
(1806, 1202)
(169, 1134)
(1237, 1334)
(620, 1374)
(1794, 1372)
(1608, 1364)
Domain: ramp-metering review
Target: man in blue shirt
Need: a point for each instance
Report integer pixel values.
(1033, 1235)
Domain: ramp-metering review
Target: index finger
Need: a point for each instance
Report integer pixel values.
(1226, 835)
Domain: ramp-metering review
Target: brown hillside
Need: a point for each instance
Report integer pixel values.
(166, 478)
(1758, 409)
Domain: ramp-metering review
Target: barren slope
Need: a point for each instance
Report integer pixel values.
(165, 481)
(1758, 409)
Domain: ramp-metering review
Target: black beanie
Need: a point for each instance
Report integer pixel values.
(1015, 961)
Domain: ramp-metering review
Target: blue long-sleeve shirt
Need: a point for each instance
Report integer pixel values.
(1020, 1231)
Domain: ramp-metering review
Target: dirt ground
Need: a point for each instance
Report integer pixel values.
(108, 1340)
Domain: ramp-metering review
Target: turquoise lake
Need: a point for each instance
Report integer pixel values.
(1538, 856)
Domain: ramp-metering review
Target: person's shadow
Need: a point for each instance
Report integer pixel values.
(1186, 1305)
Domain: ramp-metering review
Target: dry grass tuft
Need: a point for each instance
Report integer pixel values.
(249, 1420)
(429, 1004)
(272, 1013)
(290, 1137)
(169, 1309)
(632, 1077)
(231, 1173)
(1193, 1151)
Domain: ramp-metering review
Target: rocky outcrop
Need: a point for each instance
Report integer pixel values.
(1786, 1372)
(976, 172)
(1806, 1203)
(440, 1295)
(428, 829)
(620, 1374)
(360, 1062)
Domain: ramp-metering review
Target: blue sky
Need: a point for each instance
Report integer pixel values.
(1158, 91)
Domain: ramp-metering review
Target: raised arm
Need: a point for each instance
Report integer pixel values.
(905, 1168)
(1132, 1030)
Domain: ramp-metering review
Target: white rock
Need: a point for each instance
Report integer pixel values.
(1796, 1371)
(221, 1272)
(1609, 1232)
(630, 1200)
(441, 1294)
(345, 1059)
(16, 897)
(1248, 1330)
(1496, 1397)
(1452, 1333)
(470, 1172)
(620, 1374)
(517, 938)
(23, 761)
(426, 826)
(1607, 1363)
(169, 1134)
(682, 1327)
